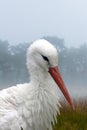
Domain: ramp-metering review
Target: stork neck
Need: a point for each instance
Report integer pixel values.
(39, 76)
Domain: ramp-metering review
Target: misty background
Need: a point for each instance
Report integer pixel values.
(62, 22)
(72, 64)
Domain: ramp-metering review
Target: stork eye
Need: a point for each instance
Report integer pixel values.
(45, 58)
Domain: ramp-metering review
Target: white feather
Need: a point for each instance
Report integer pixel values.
(34, 105)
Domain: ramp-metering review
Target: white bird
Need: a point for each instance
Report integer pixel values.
(34, 105)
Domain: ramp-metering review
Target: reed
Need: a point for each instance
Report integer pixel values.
(72, 120)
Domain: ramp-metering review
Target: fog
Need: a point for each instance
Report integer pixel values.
(62, 22)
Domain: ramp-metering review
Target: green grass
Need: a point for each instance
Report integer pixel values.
(73, 120)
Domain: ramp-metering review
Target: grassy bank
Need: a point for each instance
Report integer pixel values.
(73, 120)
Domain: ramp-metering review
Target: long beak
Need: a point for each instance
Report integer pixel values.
(54, 72)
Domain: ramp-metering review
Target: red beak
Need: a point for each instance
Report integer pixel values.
(58, 79)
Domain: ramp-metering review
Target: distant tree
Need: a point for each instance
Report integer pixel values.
(4, 60)
(18, 54)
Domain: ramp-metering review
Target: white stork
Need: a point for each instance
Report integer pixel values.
(34, 105)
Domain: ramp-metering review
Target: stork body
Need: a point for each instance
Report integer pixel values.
(34, 105)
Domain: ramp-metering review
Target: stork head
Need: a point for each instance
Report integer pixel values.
(42, 55)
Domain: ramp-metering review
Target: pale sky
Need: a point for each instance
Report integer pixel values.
(27, 20)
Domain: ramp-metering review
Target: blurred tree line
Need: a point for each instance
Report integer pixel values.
(72, 63)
